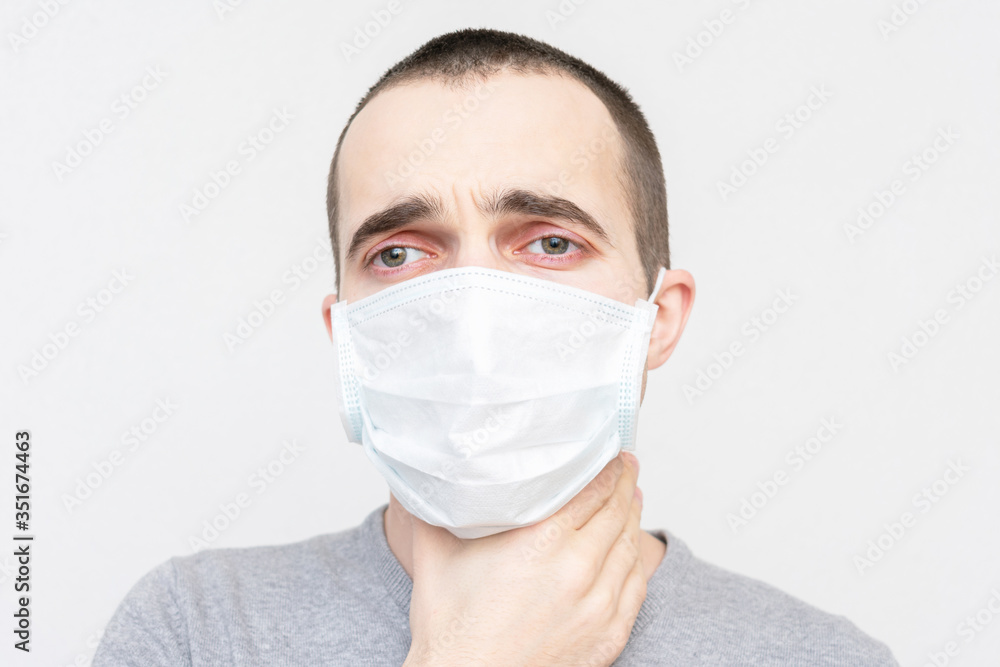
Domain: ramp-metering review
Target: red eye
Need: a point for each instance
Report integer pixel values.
(551, 245)
(393, 256)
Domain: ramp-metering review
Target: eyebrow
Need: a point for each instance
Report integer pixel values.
(504, 202)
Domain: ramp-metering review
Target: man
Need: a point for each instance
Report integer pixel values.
(512, 182)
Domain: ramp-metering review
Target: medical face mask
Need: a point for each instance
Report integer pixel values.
(488, 399)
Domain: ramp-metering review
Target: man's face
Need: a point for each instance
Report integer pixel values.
(544, 141)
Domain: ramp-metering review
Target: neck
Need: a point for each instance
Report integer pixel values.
(399, 533)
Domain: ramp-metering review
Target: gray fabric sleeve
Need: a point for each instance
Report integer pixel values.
(147, 629)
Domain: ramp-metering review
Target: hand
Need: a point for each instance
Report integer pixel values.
(565, 591)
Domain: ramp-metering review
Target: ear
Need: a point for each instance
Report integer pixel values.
(675, 299)
(328, 301)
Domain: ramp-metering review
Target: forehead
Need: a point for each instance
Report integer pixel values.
(542, 131)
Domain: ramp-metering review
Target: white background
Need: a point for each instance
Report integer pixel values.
(162, 336)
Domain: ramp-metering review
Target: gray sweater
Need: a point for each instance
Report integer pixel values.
(344, 599)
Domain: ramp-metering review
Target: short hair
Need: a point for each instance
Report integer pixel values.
(474, 55)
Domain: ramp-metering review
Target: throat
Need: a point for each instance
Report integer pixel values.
(652, 549)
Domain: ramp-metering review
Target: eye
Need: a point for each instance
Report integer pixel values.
(551, 245)
(393, 256)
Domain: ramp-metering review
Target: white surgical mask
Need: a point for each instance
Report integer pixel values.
(488, 399)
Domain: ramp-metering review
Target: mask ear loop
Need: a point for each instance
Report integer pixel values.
(659, 283)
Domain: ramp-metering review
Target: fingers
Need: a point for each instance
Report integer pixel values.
(625, 555)
(606, 524)
(578, 511)
(632, 595)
